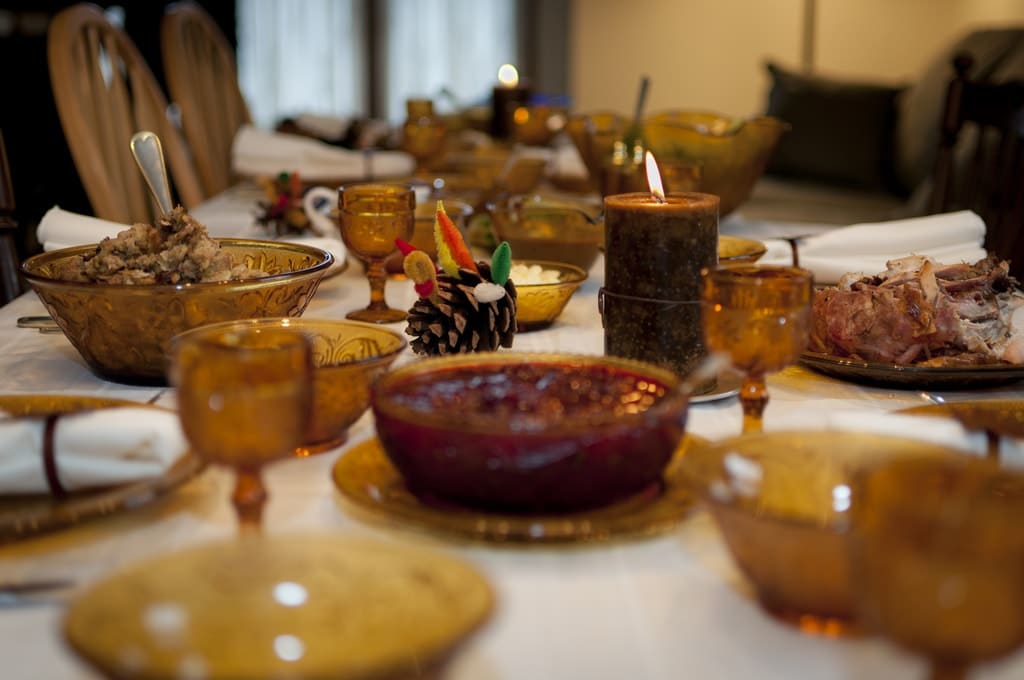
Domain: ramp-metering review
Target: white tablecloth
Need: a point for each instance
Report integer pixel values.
(662, 608)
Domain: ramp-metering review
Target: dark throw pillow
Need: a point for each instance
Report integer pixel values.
(842, 132)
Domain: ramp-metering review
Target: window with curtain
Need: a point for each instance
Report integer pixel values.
(319, 56)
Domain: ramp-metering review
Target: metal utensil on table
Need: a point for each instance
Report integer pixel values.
(44, 324)
(149, 155)
(34, 592)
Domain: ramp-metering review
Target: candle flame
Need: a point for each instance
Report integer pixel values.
(508, 75)
(654, 177)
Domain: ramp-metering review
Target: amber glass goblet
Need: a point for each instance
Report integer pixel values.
(372, 216)
(760, 316)
(244, 398)
(937, 559)
(423, 133)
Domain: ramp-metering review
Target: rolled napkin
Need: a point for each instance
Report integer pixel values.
(62, 229)
(263, 152)
(89, 449)
(943, 431)
(323, 126)
(865, 248)
(224, 216)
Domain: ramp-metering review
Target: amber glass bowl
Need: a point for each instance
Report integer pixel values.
(736, 250)
(732, 152)
(539, 227)
(782, 501)
(529, 432)
(122, 331)
(347, 357)
(539, 304)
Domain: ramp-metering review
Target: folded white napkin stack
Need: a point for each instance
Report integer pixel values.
(263, 152)
(90, 448)
(948, 238)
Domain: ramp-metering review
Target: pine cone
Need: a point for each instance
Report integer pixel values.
(460, 322)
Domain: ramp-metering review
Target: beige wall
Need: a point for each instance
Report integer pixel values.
(709, 54)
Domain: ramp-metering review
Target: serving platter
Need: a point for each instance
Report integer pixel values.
(27, 515)
(369, 482)
(912, 377)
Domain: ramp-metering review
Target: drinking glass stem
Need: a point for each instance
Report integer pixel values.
(946, 670)
(375, 272)
(249, 498)
(753, 399)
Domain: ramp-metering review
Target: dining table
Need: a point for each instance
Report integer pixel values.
(660, 606)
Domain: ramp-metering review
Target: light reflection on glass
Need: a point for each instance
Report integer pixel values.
(289, 648)
(290, 594)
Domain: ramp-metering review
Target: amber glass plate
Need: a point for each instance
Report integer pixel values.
(22, 516)
(366, 478)
(281, 607)
(912, 377)
(1002, 416)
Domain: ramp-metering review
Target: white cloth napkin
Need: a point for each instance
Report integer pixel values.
(92, 448)
(264, 152)
(61, 228)
(941, 431)
(323, 126)
(948, 238)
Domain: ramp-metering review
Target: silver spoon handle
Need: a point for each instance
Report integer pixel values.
(149, 154)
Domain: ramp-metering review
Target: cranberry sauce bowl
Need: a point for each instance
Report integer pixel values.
(529, 432)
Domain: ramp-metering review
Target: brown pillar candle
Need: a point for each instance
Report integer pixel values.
(654, 251)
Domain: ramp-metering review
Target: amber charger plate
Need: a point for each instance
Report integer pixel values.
(1001, 416)
(912, 377)
(31, 514)
(366, 478)
(281, 607)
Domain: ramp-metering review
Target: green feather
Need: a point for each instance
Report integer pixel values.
(501, 263)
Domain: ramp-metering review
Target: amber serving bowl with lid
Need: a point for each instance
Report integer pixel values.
(529, 432)
(122, 331)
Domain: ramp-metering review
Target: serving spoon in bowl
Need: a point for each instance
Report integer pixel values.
(149, 155)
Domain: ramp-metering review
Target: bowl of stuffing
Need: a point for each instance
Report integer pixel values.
(120, 301)
(529, 432)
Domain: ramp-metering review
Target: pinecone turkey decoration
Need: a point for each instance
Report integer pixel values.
(467, 306)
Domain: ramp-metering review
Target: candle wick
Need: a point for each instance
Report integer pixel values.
(658, 198)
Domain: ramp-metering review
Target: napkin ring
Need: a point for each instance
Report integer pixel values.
(50, 456)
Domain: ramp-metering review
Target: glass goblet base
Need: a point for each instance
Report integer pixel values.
(377, 315)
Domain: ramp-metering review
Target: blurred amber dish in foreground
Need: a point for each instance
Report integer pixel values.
(782, 501)
(122, 331)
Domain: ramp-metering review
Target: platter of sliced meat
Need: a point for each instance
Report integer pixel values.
(921, 324)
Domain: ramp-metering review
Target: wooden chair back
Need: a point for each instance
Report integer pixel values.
(203, 81)
(105, 93)
(11, 284)
(988, 175)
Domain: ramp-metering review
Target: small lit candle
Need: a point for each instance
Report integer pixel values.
(509, 94)
(655, 247)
